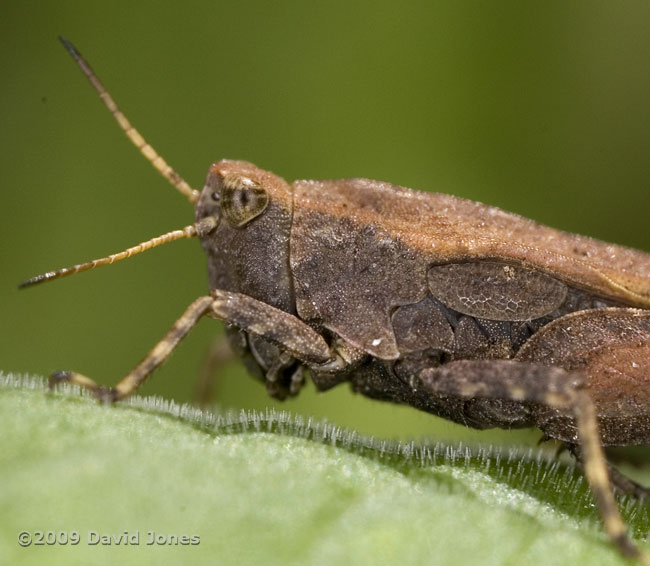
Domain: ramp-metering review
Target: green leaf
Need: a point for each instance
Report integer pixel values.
(273, 489)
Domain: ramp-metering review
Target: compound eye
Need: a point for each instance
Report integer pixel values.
(242, 199)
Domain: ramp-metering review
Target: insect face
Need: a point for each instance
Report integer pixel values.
(250, 247)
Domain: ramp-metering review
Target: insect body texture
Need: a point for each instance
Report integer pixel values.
(452, 307)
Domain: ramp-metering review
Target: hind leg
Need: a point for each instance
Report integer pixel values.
(532, 383)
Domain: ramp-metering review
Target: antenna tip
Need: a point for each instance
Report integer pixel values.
(35, 280)
(71, 48)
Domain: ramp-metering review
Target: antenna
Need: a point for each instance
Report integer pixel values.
(200, 228)
(149, 152)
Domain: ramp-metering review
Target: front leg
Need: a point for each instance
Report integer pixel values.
(287, 331)
(153, 359)
(279, 339)
(533, 383)
(294, 337)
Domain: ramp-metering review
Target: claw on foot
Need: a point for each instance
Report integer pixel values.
(58, 377)
(106, 395)
(102, 394)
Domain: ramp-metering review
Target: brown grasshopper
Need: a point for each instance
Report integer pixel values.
(453, 307)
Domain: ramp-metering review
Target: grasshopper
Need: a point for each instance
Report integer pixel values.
(453, 307)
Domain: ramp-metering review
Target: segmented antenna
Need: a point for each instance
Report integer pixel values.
(149, 152)
(199, 228)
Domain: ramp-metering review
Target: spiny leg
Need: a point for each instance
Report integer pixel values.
(153, 360)
(549, 386)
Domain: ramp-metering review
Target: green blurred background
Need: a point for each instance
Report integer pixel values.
(539, 108)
